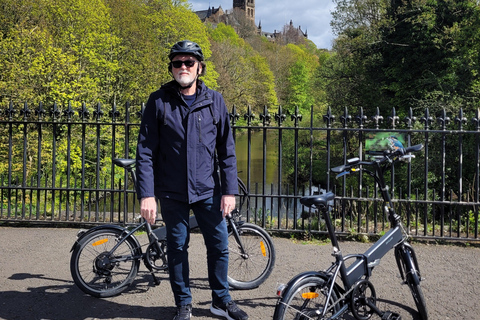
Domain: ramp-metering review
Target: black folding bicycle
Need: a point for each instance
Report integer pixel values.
(343, 289)
(105, 259)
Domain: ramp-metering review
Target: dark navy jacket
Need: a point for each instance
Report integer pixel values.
(179, 147)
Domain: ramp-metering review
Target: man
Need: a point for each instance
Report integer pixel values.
(186, 159)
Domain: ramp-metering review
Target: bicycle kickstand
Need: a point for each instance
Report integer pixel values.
(156, 281)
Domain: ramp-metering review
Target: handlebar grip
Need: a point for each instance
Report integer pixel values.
(414, 148)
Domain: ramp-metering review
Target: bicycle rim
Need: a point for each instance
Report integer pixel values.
(305, 301)
(89, 270)
(249, 270)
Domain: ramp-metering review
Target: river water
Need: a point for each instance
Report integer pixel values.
(257, 171)
(258, 174)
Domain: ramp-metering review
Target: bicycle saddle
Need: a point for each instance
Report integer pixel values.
(319, 201)
(124, 162)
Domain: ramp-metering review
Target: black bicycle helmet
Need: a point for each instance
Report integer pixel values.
(186, 47)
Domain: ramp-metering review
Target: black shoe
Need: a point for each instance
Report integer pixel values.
(183, 312)
(229, 311)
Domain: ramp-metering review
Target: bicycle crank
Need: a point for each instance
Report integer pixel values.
(364, 299)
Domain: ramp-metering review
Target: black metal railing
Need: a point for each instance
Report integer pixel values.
(56, 168)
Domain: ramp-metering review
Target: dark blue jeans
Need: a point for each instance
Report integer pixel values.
(215, 234)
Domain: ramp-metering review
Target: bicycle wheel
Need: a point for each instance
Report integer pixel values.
(251, 269)
(98, 274)
(305, 301)
(412, 278)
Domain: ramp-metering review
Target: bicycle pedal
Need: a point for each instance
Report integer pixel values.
(387, 315)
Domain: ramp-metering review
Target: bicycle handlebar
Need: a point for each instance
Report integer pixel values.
(397, 155)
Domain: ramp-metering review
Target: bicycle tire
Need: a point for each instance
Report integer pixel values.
(99, 280)
(251, 270)
(411, 273)
(304, 300)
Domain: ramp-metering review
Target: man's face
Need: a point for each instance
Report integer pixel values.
(185, 68)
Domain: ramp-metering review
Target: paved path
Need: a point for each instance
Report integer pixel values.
(35, 281)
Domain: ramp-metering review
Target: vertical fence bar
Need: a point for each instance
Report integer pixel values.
(10, 112)
(345, 119)
(443, 120)
(377, 119)
(360, 119)
(83, 113)
(460, 120)
(280, 117)
(426, 120)
(476, 122)
(54, 113)
(249, 116)
(265, 117)
(126, 155)
(459, 175)
(310, 172)
(329, 118)
(393, 121)
(296, 117)
(409, 121)
(69, 114)
(114, 114)
(26, 113)
(98, 114)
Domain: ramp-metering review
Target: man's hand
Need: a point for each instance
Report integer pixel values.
(227, 204)
(148, 209)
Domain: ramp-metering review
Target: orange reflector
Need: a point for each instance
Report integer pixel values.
(309, 295)
(99, 242)
(262, 246)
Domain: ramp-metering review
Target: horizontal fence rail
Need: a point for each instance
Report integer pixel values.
(56, 168)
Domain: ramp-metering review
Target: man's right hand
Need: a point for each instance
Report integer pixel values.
(148, 209)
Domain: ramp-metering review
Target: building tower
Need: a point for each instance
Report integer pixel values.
(246, 5)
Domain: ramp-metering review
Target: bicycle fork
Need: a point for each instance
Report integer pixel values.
(404, 252)
(236, 235)
(154, 246)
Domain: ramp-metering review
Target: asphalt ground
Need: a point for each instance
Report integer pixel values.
(35, 280)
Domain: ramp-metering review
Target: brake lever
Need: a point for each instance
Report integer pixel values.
(407, 158)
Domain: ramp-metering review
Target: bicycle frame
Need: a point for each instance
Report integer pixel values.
(367, 261)
(361, 268)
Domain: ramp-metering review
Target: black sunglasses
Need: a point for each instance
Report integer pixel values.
(179, 63)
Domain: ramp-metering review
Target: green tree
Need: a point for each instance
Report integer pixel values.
(301, 79)
(403, 54)
(245, 78)
(352, 75)
(428, 55)
(57, 51)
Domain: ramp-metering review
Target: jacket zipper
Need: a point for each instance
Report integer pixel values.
(200, 128)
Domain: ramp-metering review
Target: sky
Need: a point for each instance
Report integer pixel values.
(313, 16)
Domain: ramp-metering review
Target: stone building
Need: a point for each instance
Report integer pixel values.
(247, 9)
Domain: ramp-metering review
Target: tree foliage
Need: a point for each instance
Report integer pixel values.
(54, 52)
(114, 51)
(409, 53)
(93, 50)
(246, 78)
